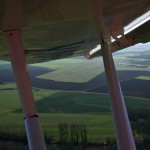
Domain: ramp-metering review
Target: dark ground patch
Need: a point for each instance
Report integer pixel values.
(130, 85)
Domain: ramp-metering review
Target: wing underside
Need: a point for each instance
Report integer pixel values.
(55, 29)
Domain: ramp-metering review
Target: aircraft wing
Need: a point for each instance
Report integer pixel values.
(56, 29)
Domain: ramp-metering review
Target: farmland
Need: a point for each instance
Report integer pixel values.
(74, 91)
(90, 109)
(10, 111)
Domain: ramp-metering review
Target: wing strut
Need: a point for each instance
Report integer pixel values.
(123, 130)
(12, 34)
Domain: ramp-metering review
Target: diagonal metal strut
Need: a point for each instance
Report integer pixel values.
(12, 34)
(125, 140)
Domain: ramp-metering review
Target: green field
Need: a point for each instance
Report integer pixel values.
(58, 64)
(89, 109)
(81, 71)
(143, 77)
(96, 123)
